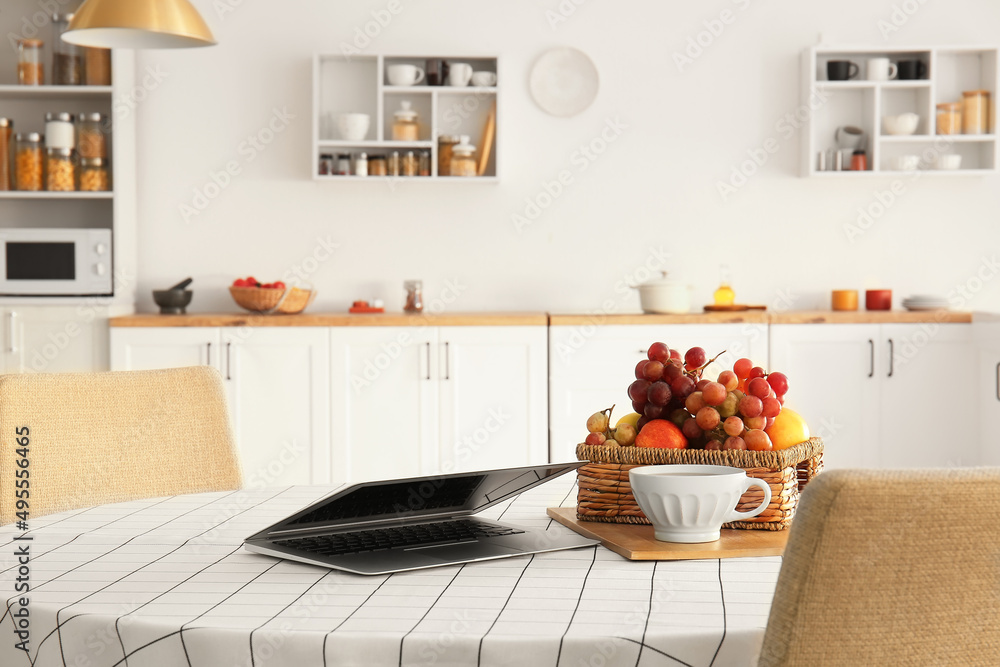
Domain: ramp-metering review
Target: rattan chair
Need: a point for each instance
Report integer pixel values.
(891, 568)
(110, 437)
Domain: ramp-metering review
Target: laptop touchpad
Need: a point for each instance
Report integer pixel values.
(460, 552)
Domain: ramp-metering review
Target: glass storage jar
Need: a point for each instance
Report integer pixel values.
(445, 144)
(91, 141)
(405, 126)
(28, 163)
(30, 70)
(67, 59)
(394, 164)
(361, 165)
(94, 175)
(97, 66)
(6, 152)
(949, 118)
(976, 111)
(59, 130)
(343, 164)
(377, 166)
(414, 296)
(410, 164)
(325, 164)
(60, 170)
(463, 158)
(424, 164)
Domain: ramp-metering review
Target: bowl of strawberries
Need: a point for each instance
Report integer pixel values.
(270, 298)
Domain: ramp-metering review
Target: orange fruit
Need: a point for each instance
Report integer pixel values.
(789, 428)
(661, 433)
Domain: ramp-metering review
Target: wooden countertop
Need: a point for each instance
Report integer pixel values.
(770, 317)
(757, 316)
(396, 319)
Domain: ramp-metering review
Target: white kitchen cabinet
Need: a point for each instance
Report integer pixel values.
(277, 382)
(987, 349)
(55, 339)
(888, 396)
(421, 400)
(591, 367)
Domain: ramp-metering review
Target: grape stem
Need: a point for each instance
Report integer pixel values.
(698, 371)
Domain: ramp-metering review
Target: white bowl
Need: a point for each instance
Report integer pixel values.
(907, 162)
(904, 123)
(948, 161)
(353, 126)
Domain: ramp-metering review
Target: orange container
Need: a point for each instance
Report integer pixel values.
(844, 299)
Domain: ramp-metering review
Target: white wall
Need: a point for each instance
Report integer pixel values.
(654, 187)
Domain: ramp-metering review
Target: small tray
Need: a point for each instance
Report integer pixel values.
(736, 307)
(636, 542)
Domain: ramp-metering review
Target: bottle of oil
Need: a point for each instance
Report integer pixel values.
(724, 296)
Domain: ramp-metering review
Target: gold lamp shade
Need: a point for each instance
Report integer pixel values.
(138, 24)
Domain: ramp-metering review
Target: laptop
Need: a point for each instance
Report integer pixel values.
(398, 525)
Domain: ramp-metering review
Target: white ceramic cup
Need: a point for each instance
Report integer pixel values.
(353, 126)
(404, 75)
(880, 69)
(907, 162)
(484, 79)
(459, 74)
(689, 503)
(948, 161)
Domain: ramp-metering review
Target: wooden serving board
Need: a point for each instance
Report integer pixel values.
(736, 307)
(636, 542)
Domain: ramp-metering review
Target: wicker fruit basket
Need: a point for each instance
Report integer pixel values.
(604, 492)
(289, 301)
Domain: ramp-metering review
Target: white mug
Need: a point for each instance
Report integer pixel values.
(404, 75)
(484, 79)
(689, 503)
(459, 74)
(880, 69)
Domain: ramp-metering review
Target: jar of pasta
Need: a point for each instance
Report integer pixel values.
(949, 118)
(30, 70)
(60, 170)
(28, 162)
(91, 141)
(94, 175)
(60, 131)
(976, 112)
(463, 158)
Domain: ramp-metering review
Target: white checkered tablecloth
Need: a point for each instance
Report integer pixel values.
(166, 582)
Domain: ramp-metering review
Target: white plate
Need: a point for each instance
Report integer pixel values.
(563, 81)
(922, 308)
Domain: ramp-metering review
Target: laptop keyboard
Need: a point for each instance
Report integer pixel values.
(381, 539)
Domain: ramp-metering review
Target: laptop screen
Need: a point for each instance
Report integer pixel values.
(422, 496)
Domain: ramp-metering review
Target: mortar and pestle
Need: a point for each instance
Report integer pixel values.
(173, 301)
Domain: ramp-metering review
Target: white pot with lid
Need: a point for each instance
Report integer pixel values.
(664, 295)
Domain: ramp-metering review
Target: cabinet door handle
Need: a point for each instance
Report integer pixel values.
(229, 361)
(891, 354)
(208, 354)
(10, 332)
(447, 363)
(428, 361)
(998, 380)
(871, 358)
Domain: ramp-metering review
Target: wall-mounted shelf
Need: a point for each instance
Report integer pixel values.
(359, 84)
(19, 194)
(863, 103)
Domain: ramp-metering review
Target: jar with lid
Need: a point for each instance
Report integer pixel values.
(463, 158)
(28, 163)
(94, 175)
(377, 166)
(30, 69)
(97, 66)
(405, 126)
(414, 296)
(949, 118)
(445, 144)
(6, 152)
(394, 164)
(325, 164)
(67, 59)
(361, 165)
(424, 163)
(976, 111)
(91, 141)
(343, 164)
(59, 131)
(410, 164)
(60, 170)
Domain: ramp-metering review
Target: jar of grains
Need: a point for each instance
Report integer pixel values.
(377, 166)
(445, 143)
(976, 111)
(30, 70)
(97, 66)
(949, 118)
(463, 159)
(60, 170)
(91, 141)
(405, 126)
(94, 175)
(6, 152)
(410, 164)
(67, 59)
(28, 161)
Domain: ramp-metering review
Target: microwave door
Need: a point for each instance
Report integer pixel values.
(40, 267)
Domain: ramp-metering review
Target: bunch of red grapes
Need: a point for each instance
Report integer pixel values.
(729, 413)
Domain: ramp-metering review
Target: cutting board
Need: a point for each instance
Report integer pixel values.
(736, 307)
(636, 542)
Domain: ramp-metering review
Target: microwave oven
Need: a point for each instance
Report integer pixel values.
(55, 262)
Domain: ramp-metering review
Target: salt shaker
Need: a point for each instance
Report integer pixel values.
(414, 296)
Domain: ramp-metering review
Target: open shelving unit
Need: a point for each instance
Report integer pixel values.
(358, 84)
(863, 103)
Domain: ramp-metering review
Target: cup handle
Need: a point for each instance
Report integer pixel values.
(853, 70)
(420, 75)
(752, 481)
(893, 70)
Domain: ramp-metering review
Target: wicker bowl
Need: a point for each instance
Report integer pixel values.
(260, 300)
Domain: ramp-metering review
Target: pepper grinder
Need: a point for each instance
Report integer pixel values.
(414, 296)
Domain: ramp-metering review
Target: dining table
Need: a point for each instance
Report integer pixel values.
(166, 582)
